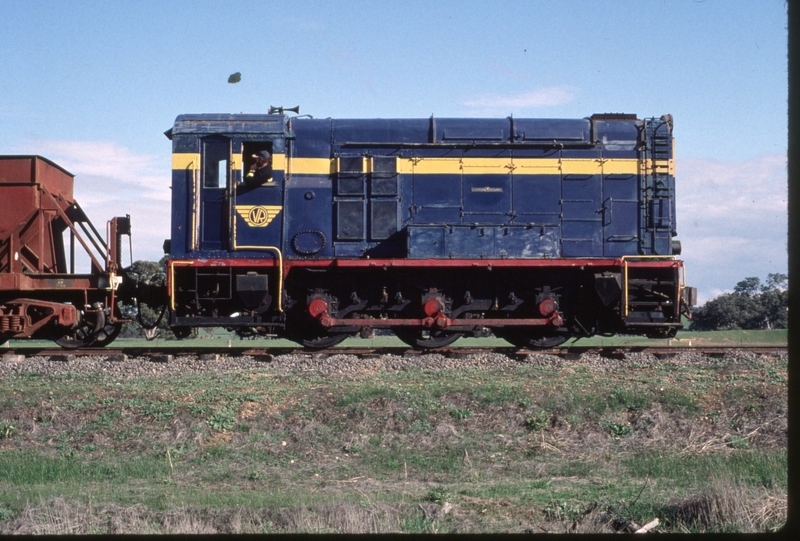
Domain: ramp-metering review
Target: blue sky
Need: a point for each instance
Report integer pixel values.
(93, 86)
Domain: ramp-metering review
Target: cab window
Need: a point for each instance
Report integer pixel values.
(215, 163)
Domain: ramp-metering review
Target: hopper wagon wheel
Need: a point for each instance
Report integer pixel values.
(425, 338)
(90, 328)
(526, 338)
(82, 336)
(107, 334)
(93, 330)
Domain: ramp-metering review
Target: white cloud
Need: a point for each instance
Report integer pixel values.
(711, 190)
(543, 97)
(113, 180)
(510, 73)
(732, 220)
(121, 167)
(711, 249)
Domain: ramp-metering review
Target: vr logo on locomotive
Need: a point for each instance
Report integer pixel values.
(258, 216)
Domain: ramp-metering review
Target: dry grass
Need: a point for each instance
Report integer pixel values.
(732, 507)
(60, 516)
(721, 507)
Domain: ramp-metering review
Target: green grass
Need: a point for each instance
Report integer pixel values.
(773, 337)
(761, 468)
(767, 337)
(366, 393)
(521, 446)
(25, 468)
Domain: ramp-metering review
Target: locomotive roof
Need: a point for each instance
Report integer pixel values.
(455, 131)
(227, 123)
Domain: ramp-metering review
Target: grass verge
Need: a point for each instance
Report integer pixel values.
(543, 445)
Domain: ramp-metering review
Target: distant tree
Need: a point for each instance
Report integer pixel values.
(149, 272)
(774, 300)
(728, 311)
(149, 316)
(748, 286)
(147, 284)
(751, 305)
(776, 281)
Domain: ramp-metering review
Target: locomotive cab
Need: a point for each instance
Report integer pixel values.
(224, 249)
(227, 205)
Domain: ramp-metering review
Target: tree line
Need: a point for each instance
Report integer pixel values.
(751, 305)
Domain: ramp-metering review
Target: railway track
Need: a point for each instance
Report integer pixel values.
(165, 354)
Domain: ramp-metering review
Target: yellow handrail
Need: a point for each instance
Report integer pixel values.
(280, 272)
(170, 290)
(625, 259)
(173, 264)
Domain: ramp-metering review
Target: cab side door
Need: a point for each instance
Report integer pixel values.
(214, 183)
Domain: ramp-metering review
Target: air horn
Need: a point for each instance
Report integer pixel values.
(280, 110)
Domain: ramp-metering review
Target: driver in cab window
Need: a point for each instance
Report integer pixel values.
(261, 171)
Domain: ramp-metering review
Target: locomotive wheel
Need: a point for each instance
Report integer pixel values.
(669, 332)
(324, 340)
(523, 338)
(181, 332)
(245, 332)
(425, 339)
(108, 334)
(308, 332)
(314, 338)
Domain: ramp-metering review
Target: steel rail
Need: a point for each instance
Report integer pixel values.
(453, 352)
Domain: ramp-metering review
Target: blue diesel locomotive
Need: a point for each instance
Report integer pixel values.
(535, 229)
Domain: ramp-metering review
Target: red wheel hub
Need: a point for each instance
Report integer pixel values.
(547, 307)
(317, 308)
(432, 307)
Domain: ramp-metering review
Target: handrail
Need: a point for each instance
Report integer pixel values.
(280, 272)
(173, 264)
(625, 259)
(171, 283)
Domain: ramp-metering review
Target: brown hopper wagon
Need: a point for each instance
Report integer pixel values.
(41, 226)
